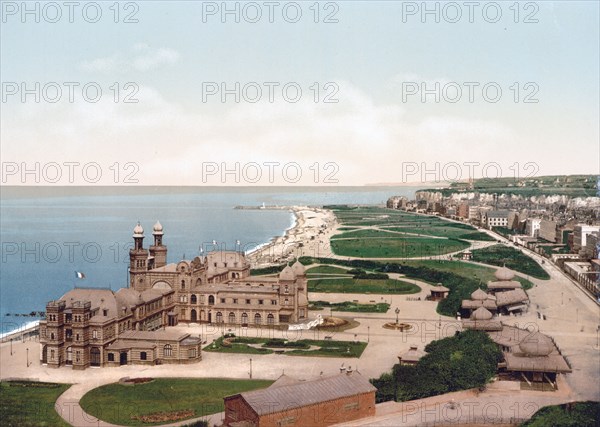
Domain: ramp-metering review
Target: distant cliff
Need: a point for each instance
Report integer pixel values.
(490, 198)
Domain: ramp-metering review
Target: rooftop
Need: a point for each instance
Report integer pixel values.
(295, 395)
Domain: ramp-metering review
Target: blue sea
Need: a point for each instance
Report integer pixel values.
(49, 233)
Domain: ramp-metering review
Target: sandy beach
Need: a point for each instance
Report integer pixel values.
(308, 237)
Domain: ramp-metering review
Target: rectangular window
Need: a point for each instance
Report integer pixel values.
(261, 302)
(143, 355)
(273, 302)
(111, 357)
(247, 301)
(222, 300)
(351, 406)
(235, 300)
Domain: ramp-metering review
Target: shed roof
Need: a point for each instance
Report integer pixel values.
(511, 297)
(412, 355)
(281, 398)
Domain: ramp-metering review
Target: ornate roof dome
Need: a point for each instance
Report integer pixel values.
(479, 295)
(158, 228)
(481, 313)
(287, 274)
(138, 231)
(504, 273)
(536, 344)
(299, 269)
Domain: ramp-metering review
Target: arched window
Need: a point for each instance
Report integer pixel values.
(257, 319)
(211, 300)
(198, 281)
(232, 317)
(270, 319)
(167, 350)
(219, 317)
(194, 315)
(183, 284)
(194, 299)
(244, 318)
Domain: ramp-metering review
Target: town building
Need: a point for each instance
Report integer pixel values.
(580, 233)
(531, 357)
(549, 231)
(439, 292)
(217, 287)
(496, 218)
(505, 296)
(532, 227)
(463, 210)
(411, 357)
(321, 402)
(98, 327)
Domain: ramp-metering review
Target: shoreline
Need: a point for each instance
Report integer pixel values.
(311, 225)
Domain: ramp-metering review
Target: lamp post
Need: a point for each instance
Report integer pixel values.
(11, 352)
(368, 334)
(397, 311)
(250, 368)
(28, 357)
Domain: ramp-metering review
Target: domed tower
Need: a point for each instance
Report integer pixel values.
(138, 260)
(158, 251)
(300, 272)
(302, 287)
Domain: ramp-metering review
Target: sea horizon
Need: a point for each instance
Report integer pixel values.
(48, 233)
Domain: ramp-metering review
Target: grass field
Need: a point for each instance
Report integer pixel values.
(443, 230)
(350, 306)
(116, 403)
(514, 259)
(465, 269)
(327, 269)
(28, 404)
(362, 286)
(401, 247)
(326, 348)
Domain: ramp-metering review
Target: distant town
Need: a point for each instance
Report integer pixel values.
(539, 216)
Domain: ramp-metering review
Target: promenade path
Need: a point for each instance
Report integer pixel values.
(572, 319)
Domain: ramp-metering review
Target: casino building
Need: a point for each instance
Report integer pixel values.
(98, 327)
(218, 288)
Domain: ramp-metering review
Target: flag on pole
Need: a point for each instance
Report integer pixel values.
(79, 275)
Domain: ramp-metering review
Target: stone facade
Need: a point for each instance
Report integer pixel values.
(217, 287)
(98, 327)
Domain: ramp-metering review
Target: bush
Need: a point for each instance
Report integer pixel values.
(576, 414)
(467, 360)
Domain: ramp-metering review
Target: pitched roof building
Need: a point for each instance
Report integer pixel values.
(321, 402)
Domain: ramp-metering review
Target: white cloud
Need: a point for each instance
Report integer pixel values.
(140, 57)
(367, 140)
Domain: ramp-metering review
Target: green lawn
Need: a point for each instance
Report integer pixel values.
(327, 269)
(26, 404)
(350, 306)
(577, 414)
(117, 404)
(327, 348)
(465, 269)
(402, 247)
(445, 230)
(514, 259)
(362, 286)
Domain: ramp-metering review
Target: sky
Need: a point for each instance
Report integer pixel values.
(297, 93)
